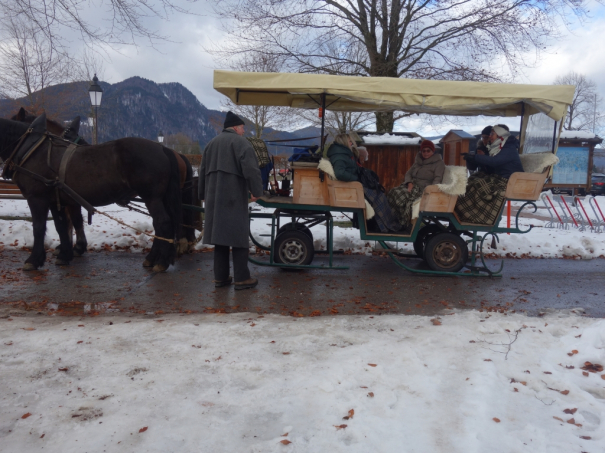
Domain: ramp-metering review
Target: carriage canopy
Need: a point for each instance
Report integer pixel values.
(357, 94)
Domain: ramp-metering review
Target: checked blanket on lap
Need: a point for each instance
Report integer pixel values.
(401, 201)
(483, 199)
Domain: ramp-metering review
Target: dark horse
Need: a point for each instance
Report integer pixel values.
(100, 174)
(74, 213)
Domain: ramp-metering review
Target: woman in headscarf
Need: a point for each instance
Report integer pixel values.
(485, 190)
(427, 169)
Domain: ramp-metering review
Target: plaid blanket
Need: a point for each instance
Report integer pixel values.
(384, 216)
(483, 199)
(401, 201)
(260, 148)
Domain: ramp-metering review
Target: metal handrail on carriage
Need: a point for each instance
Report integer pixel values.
(437, 230)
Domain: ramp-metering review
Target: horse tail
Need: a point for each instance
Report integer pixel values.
(187, 198)
(172, 197)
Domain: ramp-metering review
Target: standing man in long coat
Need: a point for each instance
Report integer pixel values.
(228, 172)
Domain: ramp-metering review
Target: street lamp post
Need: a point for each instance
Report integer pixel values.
(96, 93)
(161, 137)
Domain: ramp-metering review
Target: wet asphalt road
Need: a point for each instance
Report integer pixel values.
(112, 282)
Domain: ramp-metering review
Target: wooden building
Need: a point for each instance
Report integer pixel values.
(455, 143)
(391, 155)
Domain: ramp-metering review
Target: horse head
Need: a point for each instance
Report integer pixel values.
(71, 132)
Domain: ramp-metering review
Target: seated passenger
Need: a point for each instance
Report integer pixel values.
(345, 167)
(427, 169)
(503, 159)
(485, 190)
(484, 140)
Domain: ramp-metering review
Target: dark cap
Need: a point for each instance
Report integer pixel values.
(231, 120)
(486, 130)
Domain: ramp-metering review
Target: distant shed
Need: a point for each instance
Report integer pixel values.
(391, 155)
(455, 143)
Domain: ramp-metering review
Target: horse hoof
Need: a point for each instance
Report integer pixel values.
(77, 254)
(147, 263)
(29, 267)
(59, 262)
(56, 252)
(182, 247)
(159, 268)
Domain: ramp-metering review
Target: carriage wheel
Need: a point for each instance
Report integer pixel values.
(295, 227)
(293, 247)
(425, 233)
(446, 252)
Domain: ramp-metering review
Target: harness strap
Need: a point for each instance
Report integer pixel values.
(50, 183)
(33, 148)
(8, 163)
(67, 155)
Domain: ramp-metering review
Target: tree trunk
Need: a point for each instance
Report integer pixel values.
(384, 122)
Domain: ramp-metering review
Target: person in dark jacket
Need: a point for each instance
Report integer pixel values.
(228, 172)
(503, 159)
(342, 158)
(345, 166)
(483, 142)
(484, 197)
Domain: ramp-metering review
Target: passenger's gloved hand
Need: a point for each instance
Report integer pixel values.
(470, 158)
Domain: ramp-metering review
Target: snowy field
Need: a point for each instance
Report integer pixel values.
(105, 234)
(248, 383)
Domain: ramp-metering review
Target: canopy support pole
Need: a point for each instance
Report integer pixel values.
(323, 120)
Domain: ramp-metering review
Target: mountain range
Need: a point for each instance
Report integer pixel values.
(137, 107)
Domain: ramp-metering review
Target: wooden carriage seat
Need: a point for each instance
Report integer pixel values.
(308, 188)
(528, 185)
(442, 197)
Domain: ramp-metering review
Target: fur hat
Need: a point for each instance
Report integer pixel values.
(486, 130)
(501, 130)
(427, 144)
(231, 119)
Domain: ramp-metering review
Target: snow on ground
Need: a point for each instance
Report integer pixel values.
(104, 233)
(248, 383)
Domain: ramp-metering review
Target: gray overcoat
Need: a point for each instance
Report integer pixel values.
(229, 170)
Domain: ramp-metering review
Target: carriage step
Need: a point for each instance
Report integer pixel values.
(265, 235)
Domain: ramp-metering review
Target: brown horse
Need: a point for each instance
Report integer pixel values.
(100, 174)
(74, 213)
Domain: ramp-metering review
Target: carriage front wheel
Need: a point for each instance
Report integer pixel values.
(446, 252)
(293, 247)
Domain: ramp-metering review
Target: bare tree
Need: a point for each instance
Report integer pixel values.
(261, 116)
(28, 63)
(181, 143)
(88, 65)
(584, 113)
(445, 39)
(338, 122)
(125, 19)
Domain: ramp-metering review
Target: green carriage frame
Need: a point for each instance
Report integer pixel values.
(371, 94)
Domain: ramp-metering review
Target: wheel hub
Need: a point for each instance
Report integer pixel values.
(292, 252)
(447, 254)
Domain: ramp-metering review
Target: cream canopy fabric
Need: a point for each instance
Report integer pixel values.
(356, 94)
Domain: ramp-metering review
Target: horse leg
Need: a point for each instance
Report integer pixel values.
(75, 213)
(66, 253)
(70, 229)
(162, 225)
(39, 211)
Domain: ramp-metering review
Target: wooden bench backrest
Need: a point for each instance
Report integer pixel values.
(526, 186)
(308, 188)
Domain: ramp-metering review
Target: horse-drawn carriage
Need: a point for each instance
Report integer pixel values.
(437, 234)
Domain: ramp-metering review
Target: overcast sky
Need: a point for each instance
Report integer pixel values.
(185, 60)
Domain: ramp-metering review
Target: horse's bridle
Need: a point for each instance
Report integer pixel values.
(9, 162)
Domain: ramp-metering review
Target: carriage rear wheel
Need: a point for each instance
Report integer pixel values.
(295, 226)
(446, 252)
(293, 247)
(425, 233)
